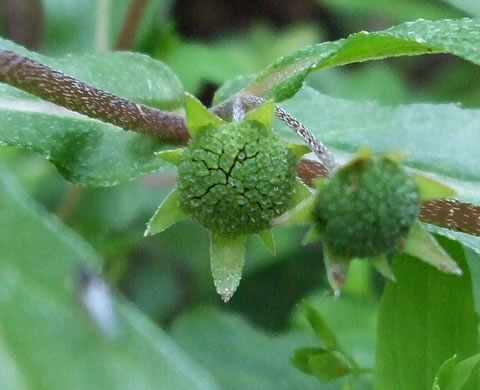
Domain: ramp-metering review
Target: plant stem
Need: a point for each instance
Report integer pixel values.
(130, 24)
(102, 24)
(66, 91)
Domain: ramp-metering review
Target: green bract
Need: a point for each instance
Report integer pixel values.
(235, 177)
(366, 208)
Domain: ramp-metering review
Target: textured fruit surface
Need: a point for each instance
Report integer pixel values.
(365, 208)
(235, 177)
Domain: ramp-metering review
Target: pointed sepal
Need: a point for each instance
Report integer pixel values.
(167, 214)
(263, 114)
(302, 192)
(267, 238)
(312, 235)
(431, 189)
(226, 260)
(422, 244)
(298, 150)
(172, 156)
(336, 270)
(301, 214)
(383, 267)
(197, 115)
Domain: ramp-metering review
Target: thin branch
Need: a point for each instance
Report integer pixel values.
(130, 24)
(66, 91)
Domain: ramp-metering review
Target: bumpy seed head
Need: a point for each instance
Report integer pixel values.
(235, 177)
(365, 208)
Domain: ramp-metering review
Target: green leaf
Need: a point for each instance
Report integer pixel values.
(282, 79)
(425, 318)
(453, 374)
(87, 151)
(422, 245)
(47, 339)
(325, 365)
(239, 355)
(226, 257)
(320, 327)
(167, 214)
(429, 135)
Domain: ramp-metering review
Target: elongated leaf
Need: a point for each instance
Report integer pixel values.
(284, 78)
(425, 318)
(454, 374)
(47, 339)
(438, 139)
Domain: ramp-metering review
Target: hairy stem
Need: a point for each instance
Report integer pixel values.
(66, 91)
(323, 154)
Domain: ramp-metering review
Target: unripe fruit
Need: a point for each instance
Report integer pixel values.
(235, 177)
(366, 208)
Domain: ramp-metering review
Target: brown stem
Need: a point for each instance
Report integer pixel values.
(66, 91)
(130, 24)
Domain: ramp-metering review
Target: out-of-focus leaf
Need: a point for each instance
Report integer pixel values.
(352, 321)
(453, 374)
(398, 11)
(88, 151)
(425, 318)
(76, 23)
(472, 7)
(323, 364)
(320, 327)
(460, 37)
(228, 57)
(239, 356)
(437, 139)
(47, 340)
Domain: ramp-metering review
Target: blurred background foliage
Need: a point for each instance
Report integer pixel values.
(167, 276)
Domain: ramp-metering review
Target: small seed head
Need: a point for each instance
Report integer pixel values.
(235, 177)
(366, 208)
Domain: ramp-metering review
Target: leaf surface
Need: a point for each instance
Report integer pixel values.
(47, 339)
(425, 318)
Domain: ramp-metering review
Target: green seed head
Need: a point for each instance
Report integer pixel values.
(366, 208)
(235, 177)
